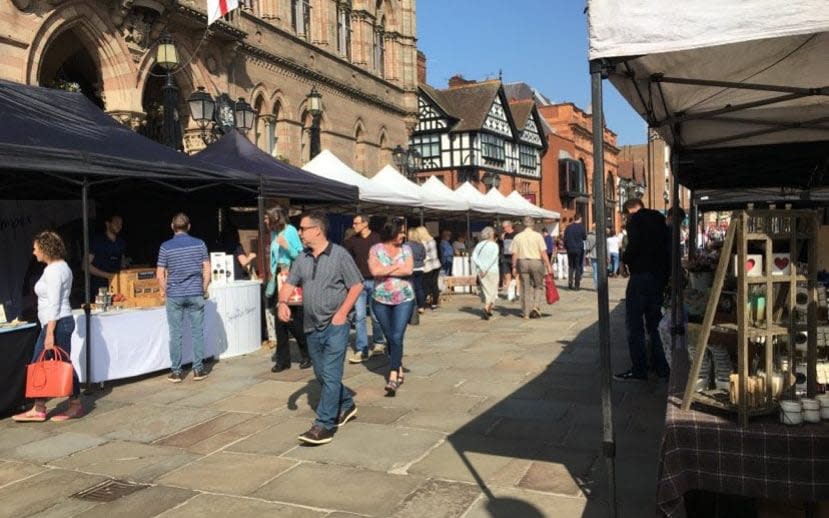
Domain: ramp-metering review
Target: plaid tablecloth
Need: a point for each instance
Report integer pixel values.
(711, 452)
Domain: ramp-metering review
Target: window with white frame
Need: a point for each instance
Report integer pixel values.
(380, 48)
(301, 18)
(427, 145)
(492, 147)
(527, 156)
(344, 29)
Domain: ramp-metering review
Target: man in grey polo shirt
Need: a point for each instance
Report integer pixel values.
(330, 284)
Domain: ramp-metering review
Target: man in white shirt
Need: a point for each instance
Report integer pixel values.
(613, 243)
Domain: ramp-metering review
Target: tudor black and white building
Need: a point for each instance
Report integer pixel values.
(472, 132)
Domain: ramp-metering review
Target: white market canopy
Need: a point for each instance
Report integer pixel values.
(532, 210)
(405, 192)
(327, 165)
(478, 202)
(734, 86)
(442, 197)
(509, 209)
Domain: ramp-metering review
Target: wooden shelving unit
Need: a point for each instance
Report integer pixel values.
(763, 229)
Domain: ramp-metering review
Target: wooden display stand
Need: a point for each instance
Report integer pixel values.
(797, 228)
(139, 286)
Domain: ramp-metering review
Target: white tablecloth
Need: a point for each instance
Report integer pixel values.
(136, 341)
(460, 268)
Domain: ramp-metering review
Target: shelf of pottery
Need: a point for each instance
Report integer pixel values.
(769, 352)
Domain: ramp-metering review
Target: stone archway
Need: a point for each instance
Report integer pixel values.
(69, 65)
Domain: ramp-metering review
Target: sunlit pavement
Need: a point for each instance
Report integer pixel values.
(495, 418)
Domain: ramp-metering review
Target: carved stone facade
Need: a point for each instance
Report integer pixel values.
(271, 52)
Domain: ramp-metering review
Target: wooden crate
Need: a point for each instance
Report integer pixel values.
(139, 286)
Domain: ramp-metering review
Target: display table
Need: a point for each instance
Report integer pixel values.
(709, 452)
(17, 346)
(460, 268)
(133, 342)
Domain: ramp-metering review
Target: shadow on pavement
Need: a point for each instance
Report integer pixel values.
(554, 421)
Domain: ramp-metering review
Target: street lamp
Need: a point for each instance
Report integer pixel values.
(314, 99)
(407, 160)
(217, 117)
(166, 56)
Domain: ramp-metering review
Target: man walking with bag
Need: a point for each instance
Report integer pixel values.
(331, 284)
(530, 260)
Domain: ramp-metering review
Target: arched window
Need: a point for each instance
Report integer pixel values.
(380, 47)
(344, 28)
(301, 18)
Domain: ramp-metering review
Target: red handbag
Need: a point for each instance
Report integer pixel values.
(550, 289)
(49, 378)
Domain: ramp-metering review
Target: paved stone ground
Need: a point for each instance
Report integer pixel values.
(498, 418)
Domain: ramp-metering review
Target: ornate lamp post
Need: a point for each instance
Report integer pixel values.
(314, 99)
(166, 56)
(407, 160)
(216, 117)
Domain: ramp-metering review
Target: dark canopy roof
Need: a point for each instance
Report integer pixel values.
(50, 135)
(236, 151)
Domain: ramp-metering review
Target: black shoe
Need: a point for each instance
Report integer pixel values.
(317, 435)
(199, 374)
(347, 415)
(305, 364)
(629, 376)
(279, 368)
(485, 315)
(535, 314)
(174, 377)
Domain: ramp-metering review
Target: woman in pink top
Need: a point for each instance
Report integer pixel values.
(391, 263)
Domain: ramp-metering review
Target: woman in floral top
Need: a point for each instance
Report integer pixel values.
(391, 263)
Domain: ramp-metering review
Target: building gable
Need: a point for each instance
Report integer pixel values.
(429, 116)
(497, 120)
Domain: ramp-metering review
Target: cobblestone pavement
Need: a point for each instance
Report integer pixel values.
(497, 418)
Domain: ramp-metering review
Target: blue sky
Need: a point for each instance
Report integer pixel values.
(540, 42)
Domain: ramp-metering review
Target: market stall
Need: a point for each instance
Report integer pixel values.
(738, 90)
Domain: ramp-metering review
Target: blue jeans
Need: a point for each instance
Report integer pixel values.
(420, 293)
(446, 265)
(643, 303)
(327, 350)
(394, 319)
(614, 263)
(176, 309)
(64, 328)
(362, 309)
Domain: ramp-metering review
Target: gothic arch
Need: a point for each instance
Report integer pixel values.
(99, 38)
(259, 91)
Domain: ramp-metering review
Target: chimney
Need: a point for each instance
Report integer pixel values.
(421, 68)
(457, 80)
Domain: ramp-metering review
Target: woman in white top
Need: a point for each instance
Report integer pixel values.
(55, 316)
(485, 259)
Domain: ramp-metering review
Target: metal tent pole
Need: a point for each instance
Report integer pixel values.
(693, 226)
(468, 242)
(598, 72)
(265, 257)
(87, 308)
(677, 328)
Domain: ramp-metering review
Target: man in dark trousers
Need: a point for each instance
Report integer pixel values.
(648, 257)
(574, 236)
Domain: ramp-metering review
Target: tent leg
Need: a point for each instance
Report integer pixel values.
(597, 74)
(87, 308)
(468, 243)
(260, 204)
(693, 227)
(677, 327)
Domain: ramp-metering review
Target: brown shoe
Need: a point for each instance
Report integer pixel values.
(317, 435)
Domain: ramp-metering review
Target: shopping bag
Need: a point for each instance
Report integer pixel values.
(550, 289)
(49, 378)
(512, 290)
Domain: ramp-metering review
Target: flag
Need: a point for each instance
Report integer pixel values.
(218, 8)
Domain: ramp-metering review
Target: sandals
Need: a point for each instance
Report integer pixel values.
(391, 388)
(30, 416)
(68, 414)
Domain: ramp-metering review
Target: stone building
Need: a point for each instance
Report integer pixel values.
(359, 54)
(656, 159)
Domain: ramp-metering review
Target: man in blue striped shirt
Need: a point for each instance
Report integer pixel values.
(184, 275)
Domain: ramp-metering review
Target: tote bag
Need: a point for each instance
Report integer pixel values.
(550, 289)
(49, 378)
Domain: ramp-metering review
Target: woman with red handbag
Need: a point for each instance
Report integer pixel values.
(55, 316)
